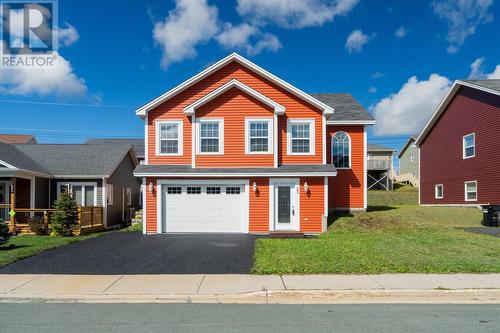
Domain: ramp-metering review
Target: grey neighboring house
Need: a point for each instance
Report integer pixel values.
(96, 175)
(138, 145)
(379, 167)
(409, 160)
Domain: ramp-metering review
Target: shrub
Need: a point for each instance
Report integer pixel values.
(64, 219)
(38, 226)
(4, 232)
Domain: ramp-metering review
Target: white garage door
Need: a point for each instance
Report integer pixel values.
(216, 208)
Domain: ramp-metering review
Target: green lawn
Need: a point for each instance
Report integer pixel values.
(394, 236)
(29, 245)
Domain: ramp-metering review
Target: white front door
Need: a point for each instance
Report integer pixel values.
(201, 207)
(286, 204)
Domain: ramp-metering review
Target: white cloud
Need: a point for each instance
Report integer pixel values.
(293, 14)
(378, 75)
(407, 111)
(191, 22)
(372, 90)
(67, 35)
(400, 32)
(355, 41)
(462, 17)
(477, 70)
(240, 38)
(59, 80)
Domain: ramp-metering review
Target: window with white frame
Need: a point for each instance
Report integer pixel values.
(438, 191)
(210, 135)
(300, 137)
(471, 191)
(85, 194)
(341, 150)
(469, 144)
(169, 137)
(129, 196)
(258, 136)
(109, 194)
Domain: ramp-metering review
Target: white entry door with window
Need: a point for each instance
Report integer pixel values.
(284, 201)
(204, 206)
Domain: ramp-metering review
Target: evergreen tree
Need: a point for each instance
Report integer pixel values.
(64, 219)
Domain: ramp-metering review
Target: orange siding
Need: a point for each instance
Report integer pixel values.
(346, 190)
(234, 106)
(312, 204)
(151, 206)
(259, 206)
(173, 109)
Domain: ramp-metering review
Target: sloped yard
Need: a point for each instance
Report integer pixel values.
(394, 236)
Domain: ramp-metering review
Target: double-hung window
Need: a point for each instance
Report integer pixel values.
(471, 191)
(439, 191)
(169, 137)
(85, 194)
(300, 137)
(469, 146)
(211, 140)
(259, 136)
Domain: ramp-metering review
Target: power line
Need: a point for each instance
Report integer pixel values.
(68, 104)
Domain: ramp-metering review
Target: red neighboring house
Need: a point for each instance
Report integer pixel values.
(459, 154)
(236, 149)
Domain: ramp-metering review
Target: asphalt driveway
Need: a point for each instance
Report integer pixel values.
(134, 253)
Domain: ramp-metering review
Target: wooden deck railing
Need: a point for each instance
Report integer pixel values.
(90, 216)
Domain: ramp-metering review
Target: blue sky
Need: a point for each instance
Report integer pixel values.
(114, 62)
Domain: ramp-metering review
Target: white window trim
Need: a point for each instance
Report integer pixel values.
(78, 184)
(312, 143)
(179, 136)
(109, 194)
(270, 131)
(129, 196)
(350, 149)
(464, 147)
(436, 196)
(465, 190)
(199, 121)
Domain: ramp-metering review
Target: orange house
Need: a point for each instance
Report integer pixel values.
(235, 149)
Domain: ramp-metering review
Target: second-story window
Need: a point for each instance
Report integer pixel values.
(258, 136)
(300, 137)
(169, 140)
(469, 144)
(210, 134)
(341, 150)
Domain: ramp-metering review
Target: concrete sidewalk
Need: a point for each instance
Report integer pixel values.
(286, 289)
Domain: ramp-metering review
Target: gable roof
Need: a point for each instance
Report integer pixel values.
(77, 160)
(489, 86)
(407, 144)
(347, 109)
(17, 138)
(142, 111)
(373, 147)
(138, 144)
(14, 159)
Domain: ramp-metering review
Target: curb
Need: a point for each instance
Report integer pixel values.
(466, 296)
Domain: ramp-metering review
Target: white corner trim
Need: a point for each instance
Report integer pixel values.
(146, 139)
(141, 112)
(312, 135)
(270, 135)
(276, 139)
(144, 189)
(194, 140)
(278, 108)
(323, 137)
(180, 136)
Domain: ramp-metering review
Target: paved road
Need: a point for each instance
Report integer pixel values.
(134, 253)
(109, 318)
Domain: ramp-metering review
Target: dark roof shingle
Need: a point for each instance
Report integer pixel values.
(138, 144)
(374, 147)
(13, 156)
(489, 84)
(346, 108)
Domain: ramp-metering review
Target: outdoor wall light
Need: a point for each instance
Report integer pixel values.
(306, 187)
(254, 187)
(150, 187)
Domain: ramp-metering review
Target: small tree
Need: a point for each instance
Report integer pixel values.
(4, 232)
(64, 219)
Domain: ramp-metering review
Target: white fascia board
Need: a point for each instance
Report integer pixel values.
(278, 108)
(80, 176)
(230, 175)
(478, 87)
(351, 122)
(141, 112)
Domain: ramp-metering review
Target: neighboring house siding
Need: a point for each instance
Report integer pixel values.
(405, 163)
(312, 204)
(346, 190)
(53, 188)
(42, 186)
(441, 156)
(173, 109)
(120, 179)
